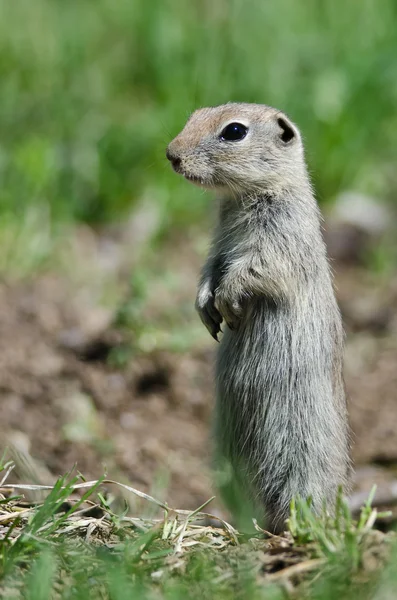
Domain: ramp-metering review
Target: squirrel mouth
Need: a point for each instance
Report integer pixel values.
(193, 178)
(178, 167)
(200, 181)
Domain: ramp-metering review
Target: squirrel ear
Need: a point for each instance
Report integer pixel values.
(287, 131)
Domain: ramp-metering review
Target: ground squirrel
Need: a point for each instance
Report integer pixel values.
(281, 419)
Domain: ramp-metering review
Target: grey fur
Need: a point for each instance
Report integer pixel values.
(281, 418)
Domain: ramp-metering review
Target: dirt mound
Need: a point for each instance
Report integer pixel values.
(61, 402)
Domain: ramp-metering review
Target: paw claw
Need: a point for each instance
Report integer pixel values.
(209, 315)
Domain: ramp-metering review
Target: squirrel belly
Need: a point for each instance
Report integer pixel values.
(280, 412)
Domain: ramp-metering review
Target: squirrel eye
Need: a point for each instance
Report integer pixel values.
(234, 132)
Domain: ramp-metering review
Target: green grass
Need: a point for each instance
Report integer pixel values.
(92, 92)
(79, 548)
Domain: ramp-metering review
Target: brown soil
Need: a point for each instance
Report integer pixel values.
(61, 402)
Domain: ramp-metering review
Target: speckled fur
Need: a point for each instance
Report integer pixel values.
(281, 418)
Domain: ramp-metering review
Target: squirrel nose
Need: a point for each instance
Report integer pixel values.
(173, 158)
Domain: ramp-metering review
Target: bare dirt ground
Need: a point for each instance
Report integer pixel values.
(148, 423)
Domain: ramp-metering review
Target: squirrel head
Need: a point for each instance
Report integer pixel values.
(246, 148)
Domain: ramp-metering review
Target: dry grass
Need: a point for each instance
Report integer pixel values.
(77, 536)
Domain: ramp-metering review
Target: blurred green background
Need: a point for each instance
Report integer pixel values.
(91, 93)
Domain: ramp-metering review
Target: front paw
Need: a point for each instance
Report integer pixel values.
(205, 306)
(228, 303)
